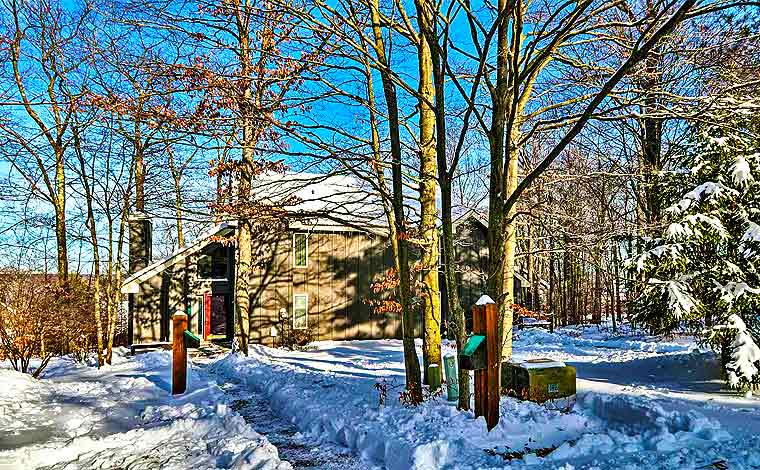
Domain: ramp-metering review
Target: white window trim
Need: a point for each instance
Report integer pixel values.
(306, 326)
(307, 250)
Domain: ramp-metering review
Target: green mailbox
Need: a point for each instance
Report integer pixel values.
(473, 355)
(191, 341)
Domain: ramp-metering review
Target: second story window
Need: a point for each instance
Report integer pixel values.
(214, 264)
(300, 250)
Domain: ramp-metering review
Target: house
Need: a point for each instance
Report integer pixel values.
(471, 253)
(314, 276)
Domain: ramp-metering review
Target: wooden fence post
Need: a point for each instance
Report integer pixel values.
(485, 322)
(179, 354)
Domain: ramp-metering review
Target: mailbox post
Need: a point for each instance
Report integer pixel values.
(179, 354)
(181, 340)
(481, 354)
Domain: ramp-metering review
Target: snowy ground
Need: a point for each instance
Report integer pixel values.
(124, 417)
(642, 402)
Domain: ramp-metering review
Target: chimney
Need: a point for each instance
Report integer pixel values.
(140, 241)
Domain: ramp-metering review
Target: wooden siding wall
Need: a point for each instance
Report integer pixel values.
(471, 254)
(146, 312)
(340, 268)
(471, 247)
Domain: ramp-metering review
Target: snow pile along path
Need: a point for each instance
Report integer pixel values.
(330, 393)
(124, 417)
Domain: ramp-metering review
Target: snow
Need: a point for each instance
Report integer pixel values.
(744, 353)
(326, 198)
(732, 291)
(123, 416)
(741, 173)
(642, 402)
(484, 299)
(752, 234)
(679, 299)
(541, 364)
(706, 190)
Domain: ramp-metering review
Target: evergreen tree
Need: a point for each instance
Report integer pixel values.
(703, 270)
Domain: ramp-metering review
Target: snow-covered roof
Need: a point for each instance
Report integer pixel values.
(322, 200)
(313, 201)
(471, 214)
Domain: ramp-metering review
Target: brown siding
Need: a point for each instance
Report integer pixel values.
(337, 279)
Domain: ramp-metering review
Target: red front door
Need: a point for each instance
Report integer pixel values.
(215, 318)
(206, 315)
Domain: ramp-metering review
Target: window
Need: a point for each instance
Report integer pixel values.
(300, 250)
(300, 311)
(214, 264)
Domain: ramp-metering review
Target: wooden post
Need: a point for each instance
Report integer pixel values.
(485, 322)
(179, 354)
(494, 362)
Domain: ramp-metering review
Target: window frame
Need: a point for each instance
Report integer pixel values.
(306, 311)
(306, 257)
(210, 256)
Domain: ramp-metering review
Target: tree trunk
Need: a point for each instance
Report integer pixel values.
(139, 165)
(244, 262)
(60, 216)
(616, 285)
(497, 232)
(117, 277)
(178, 209)
(411, 362)
(652, 143)
(90, 222)
(431, 301)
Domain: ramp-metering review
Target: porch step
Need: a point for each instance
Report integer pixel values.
(207, 351)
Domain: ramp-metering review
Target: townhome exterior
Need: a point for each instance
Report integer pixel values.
(315, 275)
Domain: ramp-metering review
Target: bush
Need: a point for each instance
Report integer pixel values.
(294, 339)
(41, 318)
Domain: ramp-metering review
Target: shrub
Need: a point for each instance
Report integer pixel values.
(41, 318)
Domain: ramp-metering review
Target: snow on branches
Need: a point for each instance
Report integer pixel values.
(745, 354)
(704, 269)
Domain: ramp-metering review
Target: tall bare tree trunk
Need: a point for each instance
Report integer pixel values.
(244, 252)
(139, 162)
(411, 362)
(495, 284)
(90, 222)
(60, 215)
(431, 303)
(247, 107)
(177, 177)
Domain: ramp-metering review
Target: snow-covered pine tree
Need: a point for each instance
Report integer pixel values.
(745, 354)
(704, 267)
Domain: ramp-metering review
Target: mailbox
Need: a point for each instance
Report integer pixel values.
(191, 341)
(473, 355)
(538, 380)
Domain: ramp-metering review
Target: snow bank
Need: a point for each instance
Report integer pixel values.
(582, 340)
(346, 410)
(636, 424)
(329, 393)
(123, 416)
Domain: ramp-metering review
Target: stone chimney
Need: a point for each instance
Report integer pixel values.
(140, 242)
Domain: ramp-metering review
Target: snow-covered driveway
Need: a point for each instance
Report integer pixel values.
(123, 417)
(676, 374)
(302, 451)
